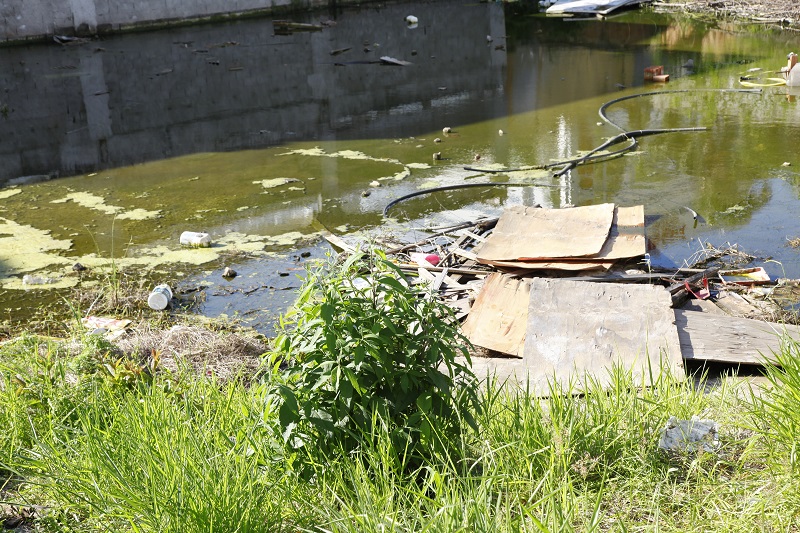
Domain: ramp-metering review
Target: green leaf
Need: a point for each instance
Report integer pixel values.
(392, 283)
(351, 376)
(289, 412)
(326, 312)
(424, 402)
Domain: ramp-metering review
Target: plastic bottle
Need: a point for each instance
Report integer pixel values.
(195, 239)
(159, 297)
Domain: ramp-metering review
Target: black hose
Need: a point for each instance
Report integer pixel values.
(459, 186)
(608, 104)
(625, 135)
(591, 156)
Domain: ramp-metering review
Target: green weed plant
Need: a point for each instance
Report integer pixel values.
(362, 348)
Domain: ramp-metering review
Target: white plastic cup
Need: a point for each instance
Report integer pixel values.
(195, 239)
(159, 297)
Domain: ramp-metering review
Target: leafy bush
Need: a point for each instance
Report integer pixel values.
(361, 352)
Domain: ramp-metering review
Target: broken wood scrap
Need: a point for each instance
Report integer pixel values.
(678, 289)
(465, 254)
(498, 318)
(747, 306)
(479, 224)
(465, 239)
(623, 277)
(387, 60)
(626, 238)
(735, 305)
(287, 27)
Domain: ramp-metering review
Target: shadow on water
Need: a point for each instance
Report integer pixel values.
(236, 131)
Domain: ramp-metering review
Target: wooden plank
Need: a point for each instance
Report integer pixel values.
(474, 236)
(498, 318)
(460, 271)
(581, 330)
(338, 244)
(570, 266)
(536, 233)
(465, 254)
(727, 339)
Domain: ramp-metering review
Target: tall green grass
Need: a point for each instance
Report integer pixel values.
(187, 453)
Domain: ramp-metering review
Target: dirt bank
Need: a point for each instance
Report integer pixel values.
(787, 11)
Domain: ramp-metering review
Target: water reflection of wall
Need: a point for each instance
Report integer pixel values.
(22, 19)
(234, 86)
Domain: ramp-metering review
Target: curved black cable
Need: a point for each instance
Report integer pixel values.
(459, 186)
(590, 157)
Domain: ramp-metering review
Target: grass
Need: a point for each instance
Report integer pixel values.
(183, 451)
(139, 435)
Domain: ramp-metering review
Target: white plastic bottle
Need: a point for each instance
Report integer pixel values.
(159, 297)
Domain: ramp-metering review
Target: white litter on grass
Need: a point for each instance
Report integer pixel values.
(689, 435)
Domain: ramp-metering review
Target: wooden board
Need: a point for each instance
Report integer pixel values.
(498, 318)
(728, 339)
(537, 233)
(578, 330)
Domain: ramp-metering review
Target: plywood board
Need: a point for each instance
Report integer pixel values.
(537, 233)
(728, 339)
(579, 331)
(626, 239)
(498, 318)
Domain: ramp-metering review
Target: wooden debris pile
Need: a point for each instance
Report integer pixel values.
(517, 282)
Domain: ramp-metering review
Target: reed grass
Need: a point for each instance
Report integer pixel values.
(186, 452)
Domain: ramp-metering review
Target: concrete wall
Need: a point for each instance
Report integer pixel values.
(32, 19)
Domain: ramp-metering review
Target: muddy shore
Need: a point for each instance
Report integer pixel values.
(783, 11)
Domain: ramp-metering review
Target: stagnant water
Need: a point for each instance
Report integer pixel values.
(112, 148)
